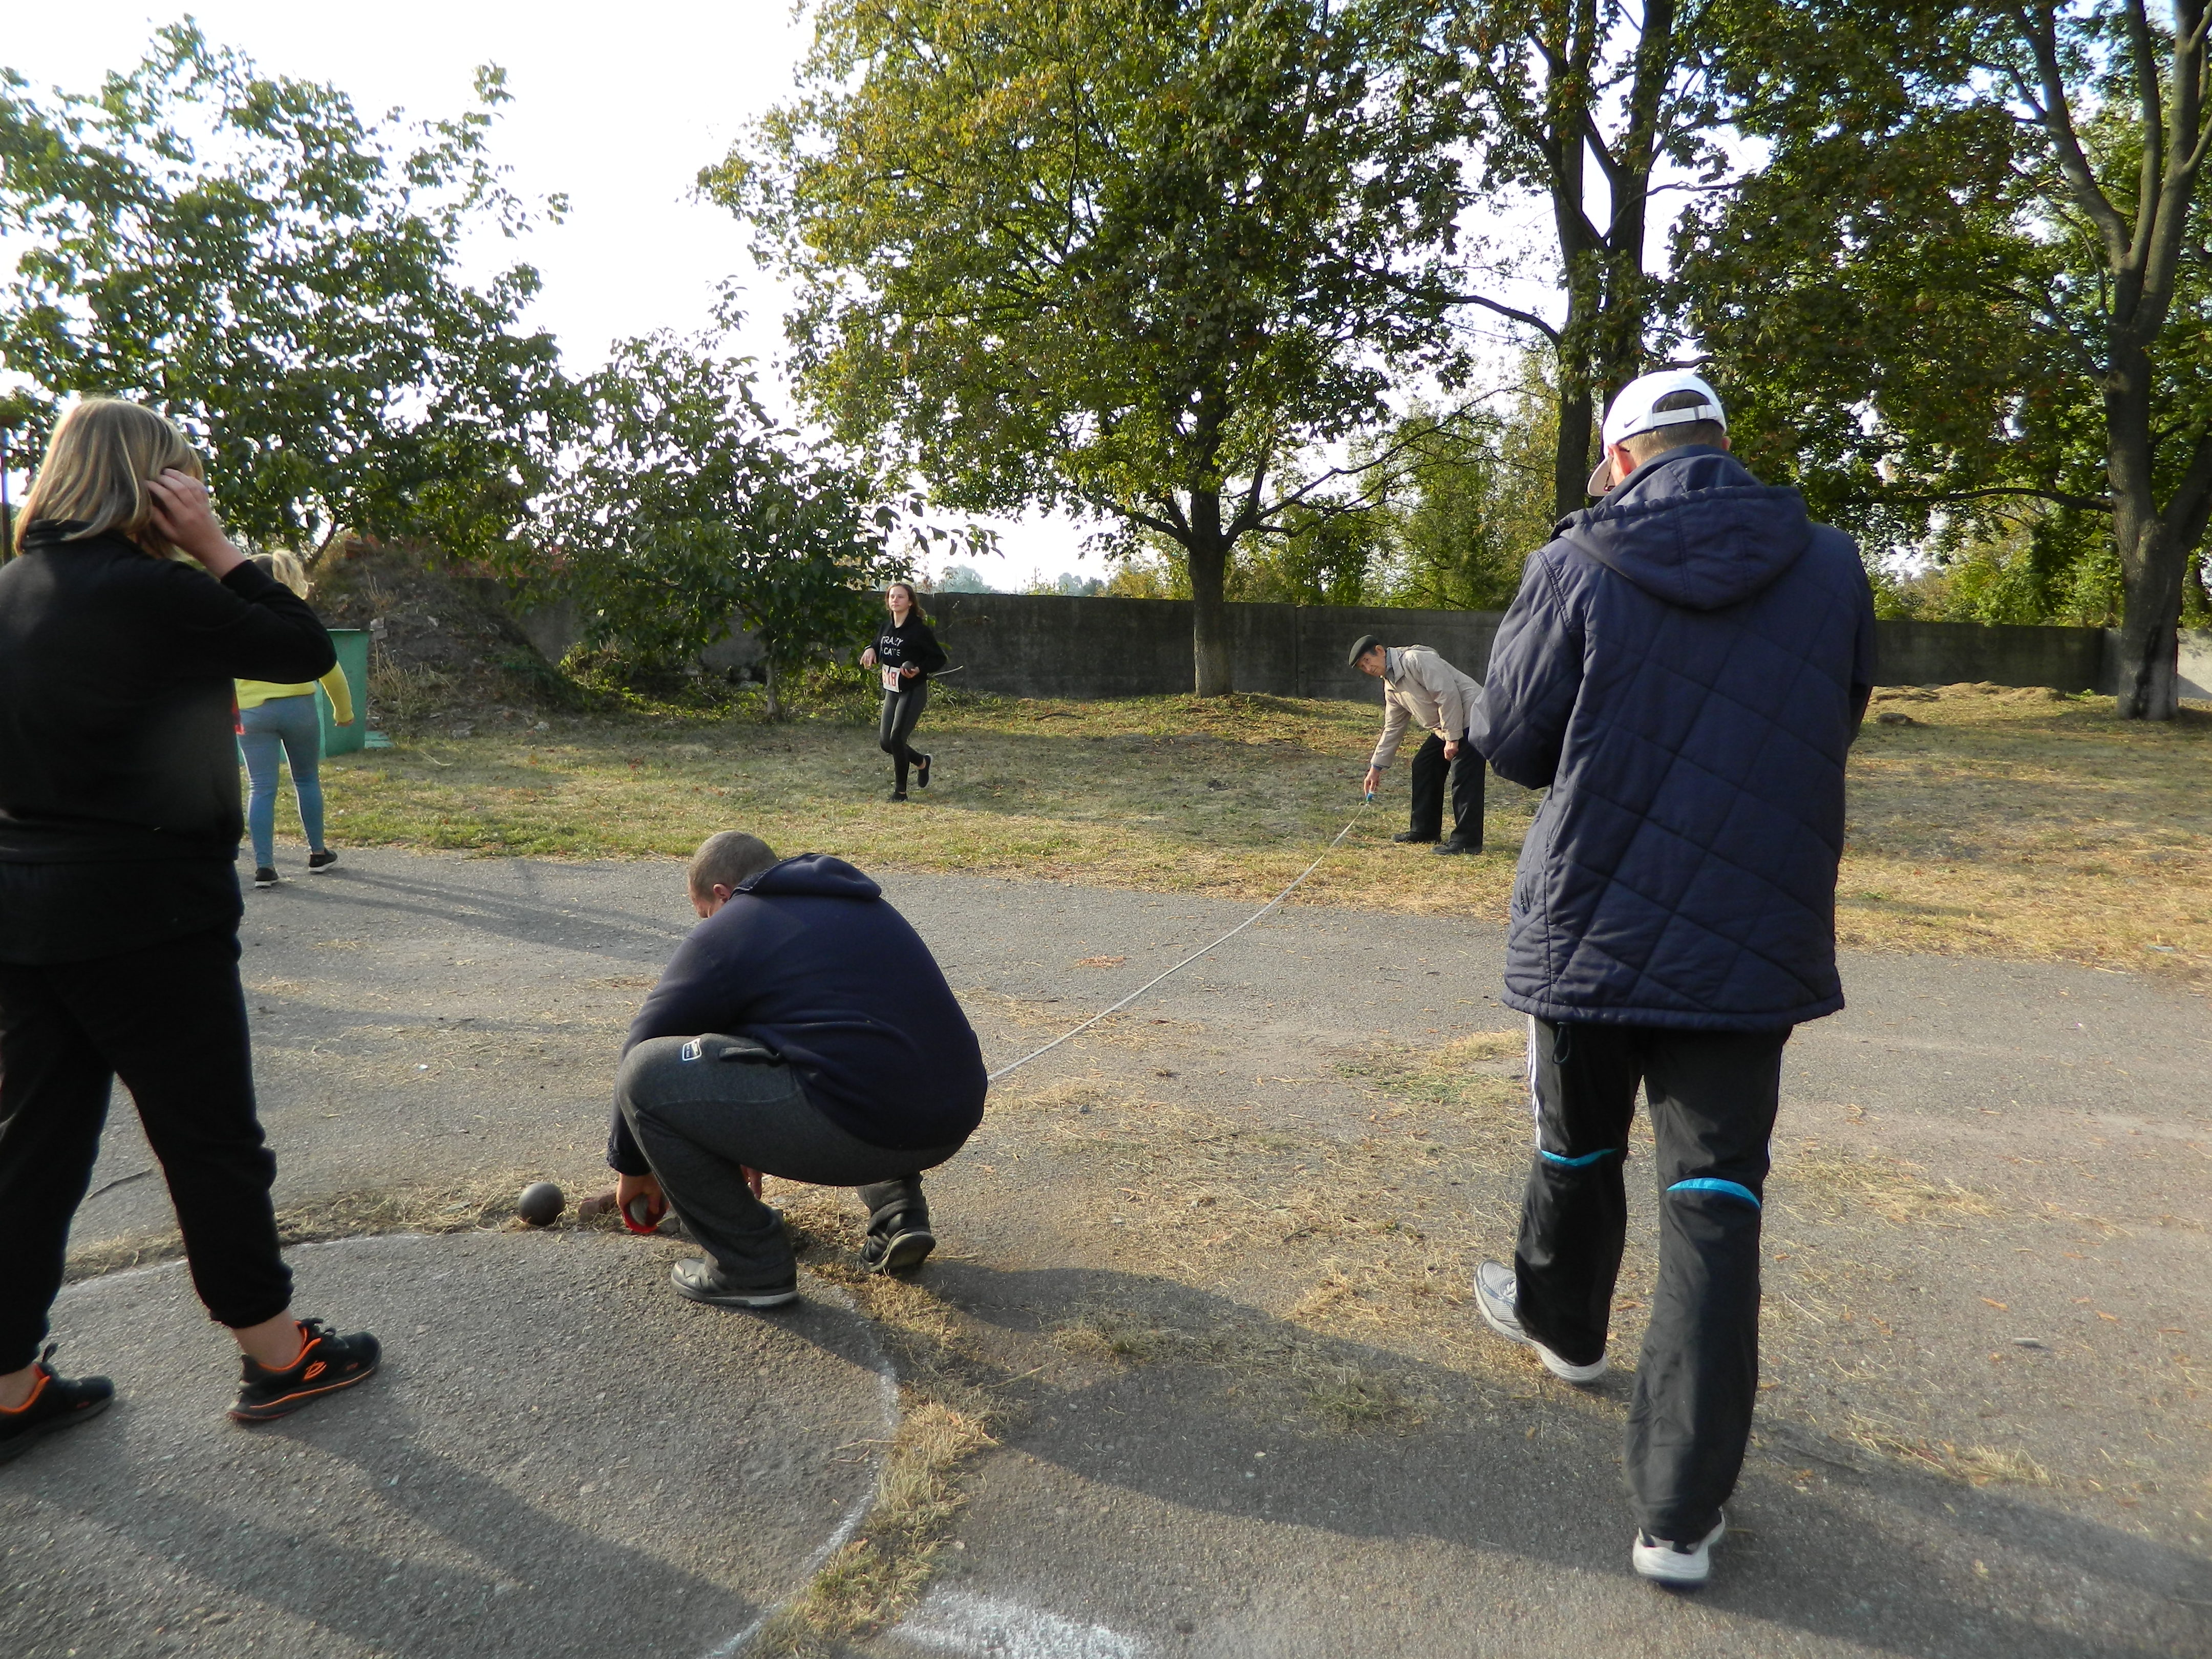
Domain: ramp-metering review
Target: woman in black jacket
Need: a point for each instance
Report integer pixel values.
(123, 621)
(907, 654)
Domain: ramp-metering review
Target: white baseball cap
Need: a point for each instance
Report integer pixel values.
(1632, 412)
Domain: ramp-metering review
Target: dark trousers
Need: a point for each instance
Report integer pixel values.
(1712, 1096)
(901, 708)
(170, 1021)
(1430, 767)
(706, 1108)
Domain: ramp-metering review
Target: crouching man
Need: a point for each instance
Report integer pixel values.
(803, 1030)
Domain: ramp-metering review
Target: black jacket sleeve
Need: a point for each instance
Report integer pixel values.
(928, 654)
(1520, 722)
(247, 626)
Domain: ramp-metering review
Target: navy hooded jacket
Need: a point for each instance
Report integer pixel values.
(1685, 667)
(809, 960)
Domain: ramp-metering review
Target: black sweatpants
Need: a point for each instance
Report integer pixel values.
(705, 1109)
(1427, 789)
(170, 1021)
(1712, 1096)
(901, 708)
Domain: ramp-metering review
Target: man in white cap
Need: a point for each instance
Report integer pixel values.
(1683, 671)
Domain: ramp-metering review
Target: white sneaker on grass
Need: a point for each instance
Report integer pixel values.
(1685, 1566)
(1494, 1293)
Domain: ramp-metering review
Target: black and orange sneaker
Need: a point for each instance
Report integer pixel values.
(327, 1362)
(56, 1402)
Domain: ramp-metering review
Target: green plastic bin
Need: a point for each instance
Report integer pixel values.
(353, 657)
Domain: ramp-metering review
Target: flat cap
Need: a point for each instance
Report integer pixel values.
(1360, 648)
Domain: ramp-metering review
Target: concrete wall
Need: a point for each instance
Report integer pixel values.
(1032, 645)
(1022, 645)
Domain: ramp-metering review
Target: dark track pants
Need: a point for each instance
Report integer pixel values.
(1712, 1096)
(901, 708)
(170, 1021)
(705, 1109)
(1430, 767)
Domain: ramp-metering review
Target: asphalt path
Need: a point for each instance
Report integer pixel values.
(434, 1019)
(557, 1459)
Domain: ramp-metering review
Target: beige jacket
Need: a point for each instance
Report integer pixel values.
(1420, 687)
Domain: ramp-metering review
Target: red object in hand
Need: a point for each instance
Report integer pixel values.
(642, 1213)
(753, 1178)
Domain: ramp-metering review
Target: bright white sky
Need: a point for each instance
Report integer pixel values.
(619, 107)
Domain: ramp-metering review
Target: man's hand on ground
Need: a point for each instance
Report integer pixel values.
(1374, 781)
(629, 1189)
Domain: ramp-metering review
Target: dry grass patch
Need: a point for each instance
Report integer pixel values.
(461, 1207)
(2023, 824)
(1835, 1189)
(1973, 1466)
(881, 1572)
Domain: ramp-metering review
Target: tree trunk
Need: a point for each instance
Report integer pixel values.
(2152, 558)
(1207, 555)
(2149, 687)
(774, 691)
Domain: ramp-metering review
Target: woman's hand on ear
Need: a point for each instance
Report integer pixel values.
(184, 517)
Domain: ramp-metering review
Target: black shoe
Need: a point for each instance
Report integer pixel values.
(319, 863)
(1448, 848)
(264, 877)
(901, 1242)
(898, 794)
(327, 1362)
(921, 772)
(55, 1403)
(1410, 835)
(702, 1281)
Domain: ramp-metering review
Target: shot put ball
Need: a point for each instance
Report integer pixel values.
(541, 1204)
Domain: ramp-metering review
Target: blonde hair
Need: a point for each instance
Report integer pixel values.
(95, 471)
(286, 567)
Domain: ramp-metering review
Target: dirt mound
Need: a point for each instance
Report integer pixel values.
(443, 650)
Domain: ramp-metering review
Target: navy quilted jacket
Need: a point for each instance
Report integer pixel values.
(1684, 667)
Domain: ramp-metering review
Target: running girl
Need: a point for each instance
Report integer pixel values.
(906, 653)
(276, 722)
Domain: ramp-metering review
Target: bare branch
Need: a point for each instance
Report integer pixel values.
(2054, 114)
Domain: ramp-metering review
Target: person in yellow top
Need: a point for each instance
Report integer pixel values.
(279, 723)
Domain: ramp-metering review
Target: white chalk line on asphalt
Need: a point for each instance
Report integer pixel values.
(1102, 1013)
(841, 1535)
(959, 1621)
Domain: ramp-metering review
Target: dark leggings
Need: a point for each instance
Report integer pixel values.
(901, 708)
(170, 1021)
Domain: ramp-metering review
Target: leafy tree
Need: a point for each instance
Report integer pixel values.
(1129, 257)
(684, 506)
(1561, 97)
(280, 277)
(1471, 499)
(1969, 296)
(962, 579)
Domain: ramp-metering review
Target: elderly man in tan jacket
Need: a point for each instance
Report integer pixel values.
(1420, 687)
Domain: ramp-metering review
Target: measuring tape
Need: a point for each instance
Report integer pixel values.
(1365, 804)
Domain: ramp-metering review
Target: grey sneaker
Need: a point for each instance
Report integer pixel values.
(702, 1281)
(1685, 1566)
(1494, 1293)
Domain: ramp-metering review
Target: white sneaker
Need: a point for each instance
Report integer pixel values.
(1494, 1295)
(1685, 1565)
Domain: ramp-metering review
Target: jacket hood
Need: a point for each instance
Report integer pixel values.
(1694, 528)
(812, 875)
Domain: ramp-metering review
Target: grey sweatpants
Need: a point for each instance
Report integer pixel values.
(704, 1108)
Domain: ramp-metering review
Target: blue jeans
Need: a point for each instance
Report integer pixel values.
(293, 725)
